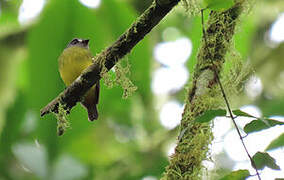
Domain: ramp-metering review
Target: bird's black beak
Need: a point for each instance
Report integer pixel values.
(85, 42)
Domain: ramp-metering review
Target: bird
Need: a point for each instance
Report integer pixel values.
(74, 59)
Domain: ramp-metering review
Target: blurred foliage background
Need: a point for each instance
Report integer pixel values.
(128, 141)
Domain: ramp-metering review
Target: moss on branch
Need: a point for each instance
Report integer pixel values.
(192, 148)
(111, 55)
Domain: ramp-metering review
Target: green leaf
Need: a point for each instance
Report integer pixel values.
(241, 174)
(218, 5)
(276, 143)
(262, 159)
(242, 113)
(261, 124)
(210, 114)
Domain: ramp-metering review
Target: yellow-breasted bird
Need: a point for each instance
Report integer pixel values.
(75, 58)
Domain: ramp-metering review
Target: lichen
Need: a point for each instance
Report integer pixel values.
(236, 74)
(62, 121)
(193, 7)
(122, 79)
(107, 78)
(105, 74)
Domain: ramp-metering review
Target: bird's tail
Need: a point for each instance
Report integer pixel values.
(91, 101)
(92, 113)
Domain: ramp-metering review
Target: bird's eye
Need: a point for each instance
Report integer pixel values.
(75, 41)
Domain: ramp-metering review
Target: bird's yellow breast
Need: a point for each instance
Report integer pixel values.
(72, 62)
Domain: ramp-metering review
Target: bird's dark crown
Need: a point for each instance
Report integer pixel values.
(79, 42)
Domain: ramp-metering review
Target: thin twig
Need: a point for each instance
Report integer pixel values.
(226, 99)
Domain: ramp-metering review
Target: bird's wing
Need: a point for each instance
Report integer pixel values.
(97, 92)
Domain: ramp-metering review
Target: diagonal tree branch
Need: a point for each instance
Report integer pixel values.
(111, 55)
